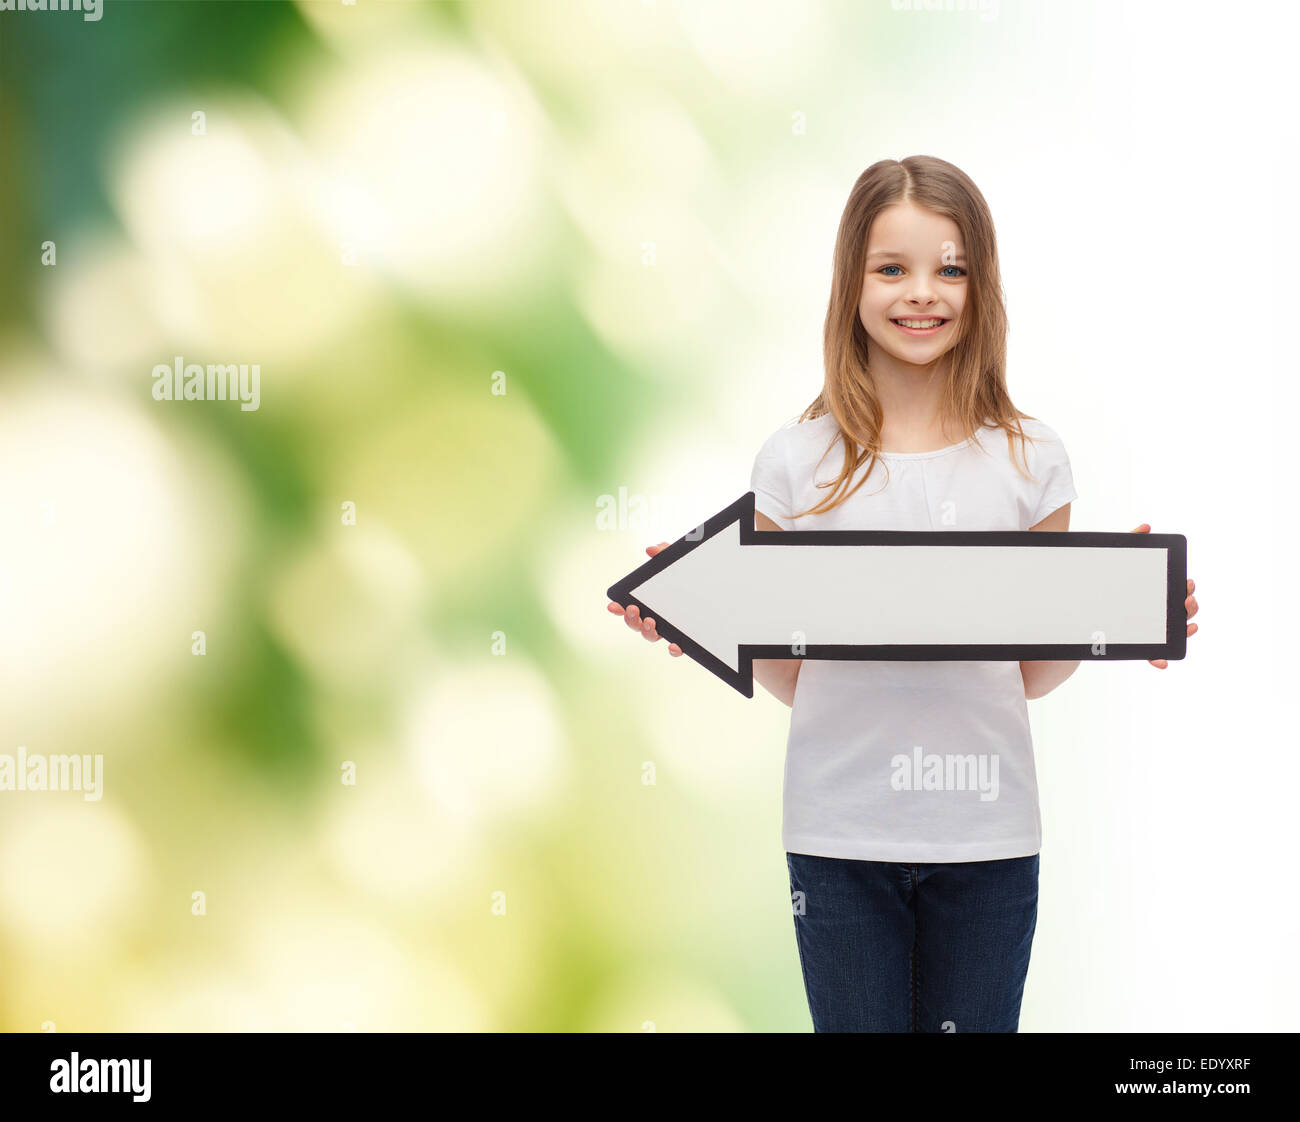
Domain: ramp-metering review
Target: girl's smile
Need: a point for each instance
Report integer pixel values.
(928, 325)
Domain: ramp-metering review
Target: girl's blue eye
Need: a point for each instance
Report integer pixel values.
(958, 271)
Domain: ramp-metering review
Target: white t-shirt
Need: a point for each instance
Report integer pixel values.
(912, 761)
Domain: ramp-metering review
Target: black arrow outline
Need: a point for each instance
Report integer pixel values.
(742, 510)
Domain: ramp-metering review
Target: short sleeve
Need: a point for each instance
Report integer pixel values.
(1055, 480)
(770, 481)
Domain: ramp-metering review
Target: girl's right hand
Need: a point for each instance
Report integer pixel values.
(632, 616)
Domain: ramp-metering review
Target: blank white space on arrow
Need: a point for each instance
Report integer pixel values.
(725, 594)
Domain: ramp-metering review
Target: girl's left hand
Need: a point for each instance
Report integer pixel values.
(1190, 604)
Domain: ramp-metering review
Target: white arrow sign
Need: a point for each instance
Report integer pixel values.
(728, 594)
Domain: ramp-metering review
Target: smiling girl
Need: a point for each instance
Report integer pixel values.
(915, 908)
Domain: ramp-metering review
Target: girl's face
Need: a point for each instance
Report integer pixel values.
(915, 276)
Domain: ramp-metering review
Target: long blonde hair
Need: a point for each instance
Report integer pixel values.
(975, 392)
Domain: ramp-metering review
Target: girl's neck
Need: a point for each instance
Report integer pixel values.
(911, 397)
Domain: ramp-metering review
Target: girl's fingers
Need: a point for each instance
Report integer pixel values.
(652, 634)
(1192, 629)
(1190, 604)
(636, 623)
(646, 627)
(632, 617)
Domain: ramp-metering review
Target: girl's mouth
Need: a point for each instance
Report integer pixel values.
(929, 325)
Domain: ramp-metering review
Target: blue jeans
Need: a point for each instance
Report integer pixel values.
(890, 947)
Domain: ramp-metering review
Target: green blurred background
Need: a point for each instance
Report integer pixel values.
(528, 283)
(399, 211)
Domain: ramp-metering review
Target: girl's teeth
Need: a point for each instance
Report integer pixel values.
(919, 323)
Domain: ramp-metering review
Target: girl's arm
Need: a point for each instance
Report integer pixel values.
(1041, 678)
(778, 676)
